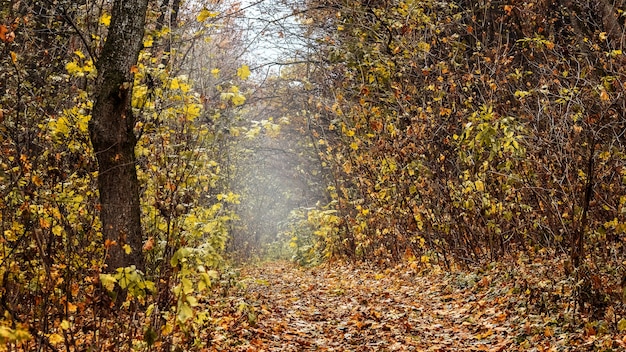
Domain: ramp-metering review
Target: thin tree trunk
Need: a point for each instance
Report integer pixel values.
(112, 136)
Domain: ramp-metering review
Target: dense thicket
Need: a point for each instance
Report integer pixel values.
(58, 279)
(470, 130)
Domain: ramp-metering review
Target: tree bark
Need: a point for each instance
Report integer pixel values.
(112, 136)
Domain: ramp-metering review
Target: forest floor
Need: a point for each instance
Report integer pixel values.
(339, 307)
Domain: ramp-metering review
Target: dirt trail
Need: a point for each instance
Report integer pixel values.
(338, 308)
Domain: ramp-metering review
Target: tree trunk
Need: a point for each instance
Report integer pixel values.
(112, 136)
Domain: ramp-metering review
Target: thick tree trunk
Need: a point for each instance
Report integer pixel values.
(112, 136)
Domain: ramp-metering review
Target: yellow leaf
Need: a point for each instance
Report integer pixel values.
(65, 325)
(175, 84)
(621, 325)
(108, 281)
(480, 186)
(243, 72)
(73, 68)
(184, 87)
(215, 72)
(204, 14)
(55, 339)
(238, 99)
(423, 46)
(89, 68)
(13, 57)
(193, 111)
(83, 123)
(105, 19)
(167, 329)
(184, 312)
(354, 146)
(127, 248)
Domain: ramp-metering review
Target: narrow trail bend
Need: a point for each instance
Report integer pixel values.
(341, 308)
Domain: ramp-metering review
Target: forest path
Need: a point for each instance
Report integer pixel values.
(342, 308)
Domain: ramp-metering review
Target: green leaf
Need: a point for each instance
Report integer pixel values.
(179, 255)
(187, 286)
(184, 313)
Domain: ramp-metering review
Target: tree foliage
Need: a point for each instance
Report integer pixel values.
(468, 131)
(56, 291)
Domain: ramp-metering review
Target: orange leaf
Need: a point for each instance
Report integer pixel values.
(376, 125)
(108, 243)
(37, 181)
(548, 332)
(134, 69)
(604, 96)
(44, 223)
(3, 32)
(149, 244)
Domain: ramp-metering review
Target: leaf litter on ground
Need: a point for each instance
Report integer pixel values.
(344, 307)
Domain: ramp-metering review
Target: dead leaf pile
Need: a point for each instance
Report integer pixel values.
(340, 307)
